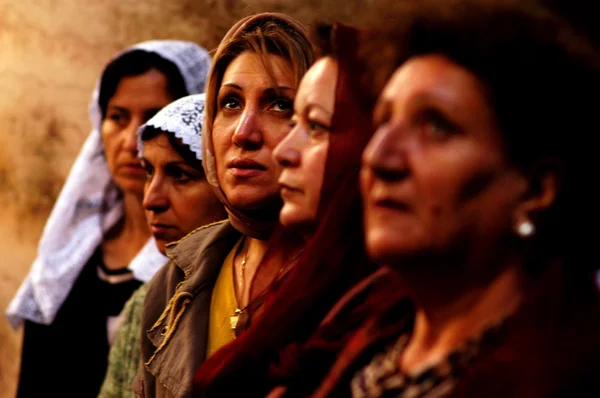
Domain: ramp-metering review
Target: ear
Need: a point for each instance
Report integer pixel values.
(544, 184)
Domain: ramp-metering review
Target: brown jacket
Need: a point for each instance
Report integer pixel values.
(175, 314)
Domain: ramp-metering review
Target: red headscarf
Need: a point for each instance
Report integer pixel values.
(333, 261)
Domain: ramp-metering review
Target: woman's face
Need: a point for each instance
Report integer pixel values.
(177, 197)
(136, 100)
(253, 112)
(436, 178)
(303, 152)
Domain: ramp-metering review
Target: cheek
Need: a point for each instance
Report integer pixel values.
(110, 138)
(274, 130)
(222, 131)
(197, 206)
(456, 195)
(314, 170)
(220, 146)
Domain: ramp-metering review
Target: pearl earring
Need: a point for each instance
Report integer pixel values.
(526, 229)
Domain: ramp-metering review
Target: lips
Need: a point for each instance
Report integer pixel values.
(245, 167)
(132, 167)
(391, 204)
(161, 231)
(381, 197)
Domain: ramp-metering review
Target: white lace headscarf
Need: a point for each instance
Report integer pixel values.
(90, 204)
(182, 118)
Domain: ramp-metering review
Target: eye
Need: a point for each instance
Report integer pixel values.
(148, 169)
(118, 117)
(178, 174)
(282, 105)
(436, 125)
(317, 128)
(230, 102)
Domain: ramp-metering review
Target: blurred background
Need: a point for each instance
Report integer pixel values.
(51, 53)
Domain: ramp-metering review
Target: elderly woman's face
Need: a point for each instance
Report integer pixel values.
(303, 152)
(177, 197)
(253, 112)
(136, 100)
(436, 178)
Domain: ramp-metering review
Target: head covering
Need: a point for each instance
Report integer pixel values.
(182, 118)
(333, 261)
(90, 204)
(243, 222)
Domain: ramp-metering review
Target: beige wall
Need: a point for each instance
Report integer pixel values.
(51, 53)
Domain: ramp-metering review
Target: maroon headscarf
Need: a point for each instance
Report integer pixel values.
(333, 261)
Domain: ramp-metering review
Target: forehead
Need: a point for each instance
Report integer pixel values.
(433, 76)
(146, 90)
(159, 147)
(318, 84)
(249, 70)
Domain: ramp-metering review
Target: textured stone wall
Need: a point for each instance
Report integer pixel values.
(51, 53)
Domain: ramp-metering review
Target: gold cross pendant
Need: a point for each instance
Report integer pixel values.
(233, 319)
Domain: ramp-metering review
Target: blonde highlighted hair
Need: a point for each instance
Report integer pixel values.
(263, 34)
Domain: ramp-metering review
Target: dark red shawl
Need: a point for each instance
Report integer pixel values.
(333, 261)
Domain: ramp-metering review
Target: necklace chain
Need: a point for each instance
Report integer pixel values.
(243, 268)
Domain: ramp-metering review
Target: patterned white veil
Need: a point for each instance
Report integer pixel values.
(89, 205)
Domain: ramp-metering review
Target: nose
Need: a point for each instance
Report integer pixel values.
(287, 152)
(386, 154)
(248, 134)
(156, 198)
(130, 135)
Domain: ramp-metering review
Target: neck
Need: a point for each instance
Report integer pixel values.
(251, 254)
(454, 308)
(135, 225)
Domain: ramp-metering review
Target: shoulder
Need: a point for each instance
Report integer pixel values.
(184, 250)
(124, 354)
(185, 256)
(185, 253)
(191, 240)
(132, 311)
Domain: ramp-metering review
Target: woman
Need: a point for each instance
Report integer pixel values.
(194, 303)
(319, 160)
(98, 226)
(177, 200)
(472, 196)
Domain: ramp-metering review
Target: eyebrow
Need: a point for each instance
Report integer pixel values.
(313, 105)
(274, 89)
(172, 163)
(125, 109)
(117, 108)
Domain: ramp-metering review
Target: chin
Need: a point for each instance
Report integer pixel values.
(296, 221)
(254, 198)
(290, 215)
(161, 245)
(385, 248)
(131, 186)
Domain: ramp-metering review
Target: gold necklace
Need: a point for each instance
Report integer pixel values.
(243, 268)
(235, 317)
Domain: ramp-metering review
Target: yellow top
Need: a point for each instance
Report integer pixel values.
(223, 304)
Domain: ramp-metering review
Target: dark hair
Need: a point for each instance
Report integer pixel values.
(134, 63)
(540, 79)
(581, 14)
(182, 149)
(322, 37)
